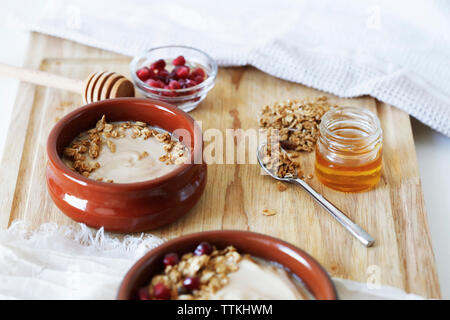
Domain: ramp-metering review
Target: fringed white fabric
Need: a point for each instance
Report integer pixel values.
(52, 236)
(66, 262)
(59, 262)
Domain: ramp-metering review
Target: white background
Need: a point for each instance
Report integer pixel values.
(433, 151)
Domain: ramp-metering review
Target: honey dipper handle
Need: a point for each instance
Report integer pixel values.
(42, 78)
(358, 232)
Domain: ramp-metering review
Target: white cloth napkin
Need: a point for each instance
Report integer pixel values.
(79, 263)
(396, 51)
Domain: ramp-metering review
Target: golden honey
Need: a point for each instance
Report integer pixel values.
(349, 150)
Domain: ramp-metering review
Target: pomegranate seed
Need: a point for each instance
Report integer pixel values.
(203, 248)
(191, 283)
(174, 85)
(183, 72)
(182, 83)
(158, 65)
(198, 72)
(144, 294)
(155, 83)
(179, 61)
(161, 292)
(190, 83)
(171, 259)
(180, 77)
(169, 93)
(163, 74)
(173, 74)
(143, 73)
(198, 79)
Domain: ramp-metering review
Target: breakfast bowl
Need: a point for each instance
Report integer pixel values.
(285, 256)
(134, 206)
(179, 75)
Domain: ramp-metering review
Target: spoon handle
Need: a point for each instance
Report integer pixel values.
(352, 227)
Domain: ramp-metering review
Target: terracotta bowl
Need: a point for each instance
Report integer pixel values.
(295, 260)
(125, 207)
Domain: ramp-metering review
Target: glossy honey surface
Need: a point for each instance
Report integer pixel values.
(346, 162)
(349, 176)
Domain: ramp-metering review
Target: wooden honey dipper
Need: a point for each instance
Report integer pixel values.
(98, 85)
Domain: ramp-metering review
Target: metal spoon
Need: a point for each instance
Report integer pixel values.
(348, 224)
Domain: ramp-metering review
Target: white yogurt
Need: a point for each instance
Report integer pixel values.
(259, 281)
(127, 164)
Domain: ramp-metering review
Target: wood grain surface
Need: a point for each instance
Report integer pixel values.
(236, 194)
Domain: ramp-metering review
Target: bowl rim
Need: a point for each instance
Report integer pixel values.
(141, 84)
(137, 267)
(56, 161)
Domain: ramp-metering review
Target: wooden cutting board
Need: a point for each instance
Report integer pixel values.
(236, 195)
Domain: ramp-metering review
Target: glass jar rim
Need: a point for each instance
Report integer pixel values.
(369, 115)
(374, 134)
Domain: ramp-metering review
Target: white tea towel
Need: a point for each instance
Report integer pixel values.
(396, 51)
(78, 263)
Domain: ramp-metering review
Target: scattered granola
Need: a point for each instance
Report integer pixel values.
(281, 186)
(297, 121)
(175, 152)
(279, 162)
(88, 146)
(143, 155)
(111, 146)
(66, 103)
(292, 126)
(269, 212)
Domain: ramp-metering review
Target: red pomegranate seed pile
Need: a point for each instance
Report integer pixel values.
(180, 77)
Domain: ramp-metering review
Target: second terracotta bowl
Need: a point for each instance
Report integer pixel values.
(292, 258)
(125, 207)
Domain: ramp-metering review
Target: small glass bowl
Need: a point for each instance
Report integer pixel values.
(190, 97)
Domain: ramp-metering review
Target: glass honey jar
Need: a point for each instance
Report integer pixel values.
(349, 149)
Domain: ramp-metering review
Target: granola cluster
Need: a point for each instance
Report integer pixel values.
(87, 147)
(195, 276)
(175, 151)
(280, 162)
(292, 126)
(297, 121)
